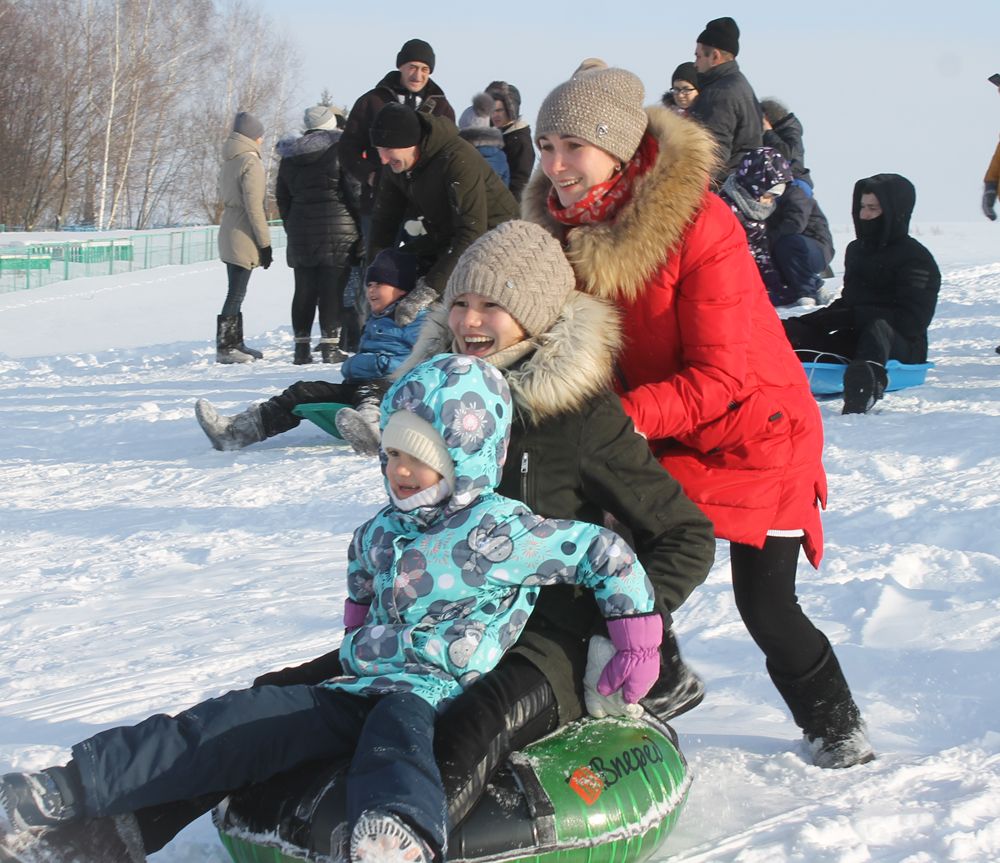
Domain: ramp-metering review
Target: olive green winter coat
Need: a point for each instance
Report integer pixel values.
(453, 188)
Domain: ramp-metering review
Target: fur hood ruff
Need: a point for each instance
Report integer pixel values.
(569, 365)
(615, 259)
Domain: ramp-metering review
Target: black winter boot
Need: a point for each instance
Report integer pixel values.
(329, 347)
(227, 341)
(864, 383)
(229, 433)
(822, 706)
(678, 689)
(303, 355)
(87, 840)
(257, 355)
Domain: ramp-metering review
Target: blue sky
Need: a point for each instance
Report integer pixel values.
(878, 85)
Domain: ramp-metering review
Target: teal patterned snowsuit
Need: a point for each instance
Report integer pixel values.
(451, 586)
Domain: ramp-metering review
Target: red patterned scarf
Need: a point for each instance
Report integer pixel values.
(603, 201)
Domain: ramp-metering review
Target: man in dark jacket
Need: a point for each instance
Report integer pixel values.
(891, 285)
(443, 189)
(410, 85)
(726, 104)
(783, 131)
(518, 146)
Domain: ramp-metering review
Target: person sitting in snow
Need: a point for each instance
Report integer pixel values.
(440, 583)
(891, 285)
(752, 192)
(383, 347)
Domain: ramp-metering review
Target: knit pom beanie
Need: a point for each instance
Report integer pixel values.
(601, 106)
(522, 267)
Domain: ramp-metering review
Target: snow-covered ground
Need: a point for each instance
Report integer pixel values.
(144, 571)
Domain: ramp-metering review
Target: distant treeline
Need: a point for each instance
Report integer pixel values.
(113, 112)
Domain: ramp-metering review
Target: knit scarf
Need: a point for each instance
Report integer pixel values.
(748, 206)
(602, 202)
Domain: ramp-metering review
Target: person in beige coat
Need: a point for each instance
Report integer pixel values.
(244, 237)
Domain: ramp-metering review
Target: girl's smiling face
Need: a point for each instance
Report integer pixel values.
(574, 166)
(408, 475)
(482, 326)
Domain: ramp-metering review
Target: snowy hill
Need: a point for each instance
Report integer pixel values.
(144, 571)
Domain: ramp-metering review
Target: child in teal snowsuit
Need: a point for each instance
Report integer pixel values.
(440, 583)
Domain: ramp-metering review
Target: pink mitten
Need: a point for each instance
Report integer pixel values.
(354, 614)
(636, 665)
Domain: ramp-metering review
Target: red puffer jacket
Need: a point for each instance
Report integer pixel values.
(706, 371)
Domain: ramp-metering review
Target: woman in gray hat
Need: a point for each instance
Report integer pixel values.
(706, 373)
(319, 203)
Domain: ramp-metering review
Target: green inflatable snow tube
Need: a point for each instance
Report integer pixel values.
(596, 791)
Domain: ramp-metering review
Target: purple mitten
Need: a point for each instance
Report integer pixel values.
(636, 665)
(354, 614)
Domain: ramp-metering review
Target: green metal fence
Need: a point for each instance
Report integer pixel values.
(30, 266)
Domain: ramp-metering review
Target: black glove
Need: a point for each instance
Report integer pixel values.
(310, 673)
(414, 303)
(266, 256)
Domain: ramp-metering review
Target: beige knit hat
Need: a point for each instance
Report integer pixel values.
(411, 434)
(522, 267)
(602, 106)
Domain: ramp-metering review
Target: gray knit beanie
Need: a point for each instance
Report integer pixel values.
(248, 125)
(321, 117)
(602, 106)
(522, 267)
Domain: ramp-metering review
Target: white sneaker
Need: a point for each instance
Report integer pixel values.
(380, 837)
(802, 302)
(827, 294)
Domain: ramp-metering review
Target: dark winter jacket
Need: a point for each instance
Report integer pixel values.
(888, 275)
(785, 136)
(383, 347)
(728, 108)
(455, 191)
(356, 151)
(520, 152)
(573, 453)
(706, 372)
(317, 200)
(798, 212)
(427, 630)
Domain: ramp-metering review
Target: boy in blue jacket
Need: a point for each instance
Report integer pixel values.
(383, 347)
(440, 583)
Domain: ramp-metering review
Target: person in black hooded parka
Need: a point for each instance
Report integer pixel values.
(318, 202)
(891, 285)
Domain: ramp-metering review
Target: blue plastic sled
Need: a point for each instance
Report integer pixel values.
(322, 414)
(828, 378)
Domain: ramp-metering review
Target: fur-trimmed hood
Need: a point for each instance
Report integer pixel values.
(614, 259)
(565, 367)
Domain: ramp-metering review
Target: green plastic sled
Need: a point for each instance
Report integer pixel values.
(322, 414)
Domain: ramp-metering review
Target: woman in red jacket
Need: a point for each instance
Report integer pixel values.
(706, 373)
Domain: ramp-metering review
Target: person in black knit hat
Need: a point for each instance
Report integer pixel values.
(727, 105)
(410, 84)
(683, 89)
